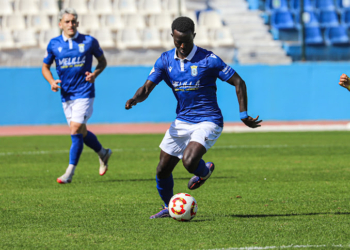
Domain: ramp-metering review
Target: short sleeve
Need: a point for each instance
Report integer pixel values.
(96, 49)
(157, 73)
(224, 72)
(49, 56)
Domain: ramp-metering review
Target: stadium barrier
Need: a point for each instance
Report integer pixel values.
(298, 92)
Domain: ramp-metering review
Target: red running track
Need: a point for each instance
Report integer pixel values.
(134, 128)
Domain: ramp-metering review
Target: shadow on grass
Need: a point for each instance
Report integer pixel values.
(180, 178)
(183, 178)
(277, 215)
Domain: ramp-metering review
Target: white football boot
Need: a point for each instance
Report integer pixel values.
(66, 178)
(68, 175)
(104, 161)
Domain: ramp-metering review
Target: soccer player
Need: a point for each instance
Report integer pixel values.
(73, 53)
(344, 81)
(191, 73)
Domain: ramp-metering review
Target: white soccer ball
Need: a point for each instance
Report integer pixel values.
(183, 207)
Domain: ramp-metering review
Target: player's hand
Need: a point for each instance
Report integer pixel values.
(252, 122)
(130, 103)
(344, 81)
(90, 77)
(55, 86)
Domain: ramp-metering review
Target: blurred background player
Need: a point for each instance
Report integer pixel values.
(191, 73)
(344, 81)
(73, 53)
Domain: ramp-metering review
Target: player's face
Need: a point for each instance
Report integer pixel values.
(69, 25)
(183, 42)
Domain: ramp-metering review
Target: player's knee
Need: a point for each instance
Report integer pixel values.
(190, 163)
(77, 128)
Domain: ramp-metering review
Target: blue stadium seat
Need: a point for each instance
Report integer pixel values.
(325, 4)
(310, 19)
(295, 6)
(271, 5)
(345, 18)
(342, 4)
(336, 36)
(282, 19)
(328, 19)
(313, 36)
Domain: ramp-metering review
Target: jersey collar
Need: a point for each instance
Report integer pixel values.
(190, 55)
(66, 38)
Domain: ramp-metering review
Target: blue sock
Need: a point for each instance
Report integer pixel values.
(91, 141)
(165, 189)
(76, 148)
(202, 169)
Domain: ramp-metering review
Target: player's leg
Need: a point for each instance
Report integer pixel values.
(164, 177)
(172, 145)
(165, 181)
(78, 130)
(76, 112)
(92, 142)
(204, 136)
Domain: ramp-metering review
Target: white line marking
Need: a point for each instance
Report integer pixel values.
(288, 128)
(41, 152)
(280, 247)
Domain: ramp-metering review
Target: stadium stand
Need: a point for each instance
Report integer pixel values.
(88, 23)
(326, 25)
(5, 7)
(295, 6)
(79, 5)
(313, 36)
(101, 7)
(325, 5)
(114, 22)
(336, 36)
(137, 31)
(105, 37)
(151, 38)
(345, 18)
(39, 22)
(253, 42)
(6, 40)
(46, 35)
(26, 7)
(48, 7)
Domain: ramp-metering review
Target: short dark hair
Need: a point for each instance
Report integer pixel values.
(182, 24)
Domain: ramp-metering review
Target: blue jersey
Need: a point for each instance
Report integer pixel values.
(73, 58)
(193, 81)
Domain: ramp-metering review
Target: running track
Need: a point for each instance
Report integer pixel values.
(153, 128)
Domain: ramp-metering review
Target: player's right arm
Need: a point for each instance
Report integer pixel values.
(141, 94)
(45, 70)
(344, 81)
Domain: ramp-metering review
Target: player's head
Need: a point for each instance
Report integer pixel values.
(68, 21)
(183, 35)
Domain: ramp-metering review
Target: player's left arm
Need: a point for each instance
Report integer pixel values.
(241, 92)
(101, 65)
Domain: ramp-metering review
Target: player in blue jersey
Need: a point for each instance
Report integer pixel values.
(191, 73)
(73, 54)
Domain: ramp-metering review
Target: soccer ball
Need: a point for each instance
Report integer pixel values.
(182, 207)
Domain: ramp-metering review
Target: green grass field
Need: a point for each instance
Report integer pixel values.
(294, 190)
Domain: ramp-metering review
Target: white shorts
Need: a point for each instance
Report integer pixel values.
(78, 110)
(181, 133)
